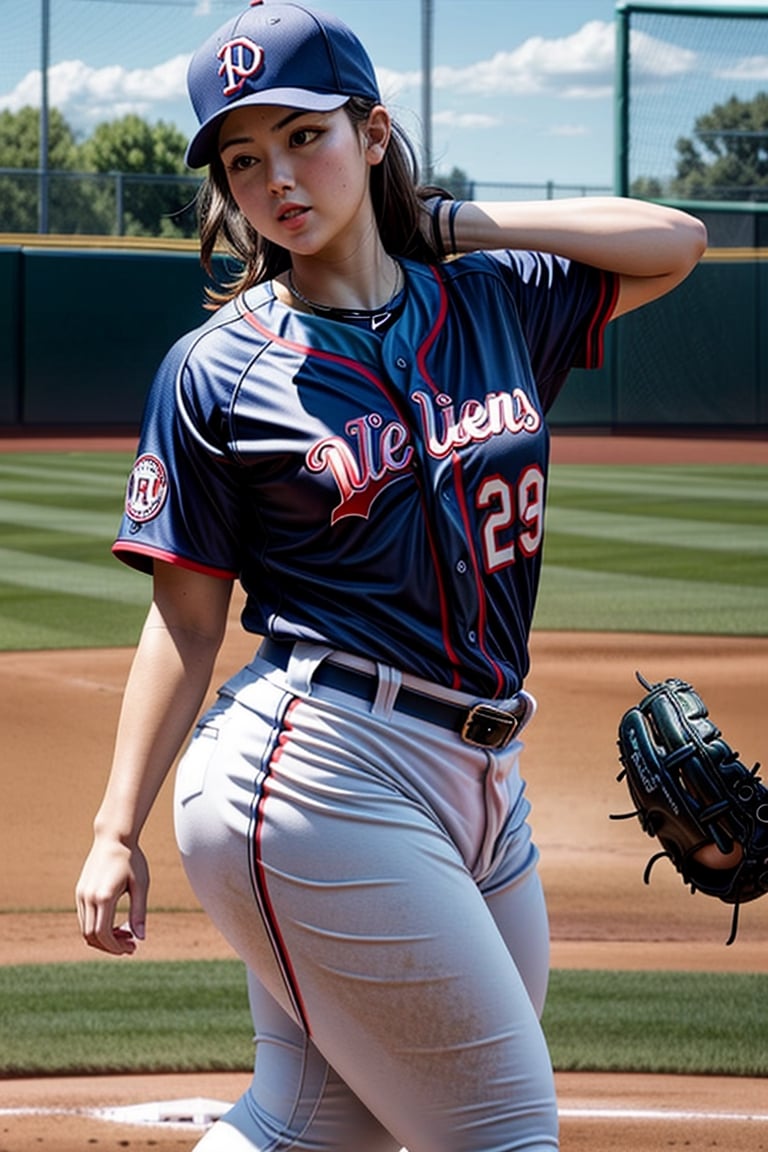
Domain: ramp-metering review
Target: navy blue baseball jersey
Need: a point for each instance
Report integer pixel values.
(382, 493)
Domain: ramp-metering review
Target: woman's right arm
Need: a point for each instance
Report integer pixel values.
(652, 247)
(166, 687)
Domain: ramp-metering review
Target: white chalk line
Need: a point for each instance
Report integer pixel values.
(658, 1114)
(200, 1112)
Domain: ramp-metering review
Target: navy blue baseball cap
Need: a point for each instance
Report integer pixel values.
(275, 52)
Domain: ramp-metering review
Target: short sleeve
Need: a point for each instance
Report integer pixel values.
(182, 501)
(564, 309)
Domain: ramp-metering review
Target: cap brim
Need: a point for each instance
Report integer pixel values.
(204, 144)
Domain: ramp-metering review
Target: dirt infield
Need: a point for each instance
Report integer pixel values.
(59, 713)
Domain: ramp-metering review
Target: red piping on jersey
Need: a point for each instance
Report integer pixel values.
(170, 558)
(378, 383)
(259, 875)
(421, 360)
(443, 601)
(423, 352)
(594, 343)
(307, 350)
(482, 616)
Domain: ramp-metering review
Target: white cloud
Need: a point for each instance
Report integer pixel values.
(748, 68)
(452, 119)
(87, 95)
(576, 67)
(570, 66)
(657, 60)
(392, 84)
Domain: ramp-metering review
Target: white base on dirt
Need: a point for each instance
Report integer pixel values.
(197, 1111)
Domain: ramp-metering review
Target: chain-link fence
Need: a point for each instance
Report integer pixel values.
(699, 133)
(98, 204)
(130, 204)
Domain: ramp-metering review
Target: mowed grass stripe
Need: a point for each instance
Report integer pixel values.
(39, 474)
(718, 496)
(69, 577)
(629, 561)
(728, 510)
(30, 622)
(573, 598)
(747, 482)
(32, 484)
(60, 587)
(85, 464)
(668, 531)
(64, 546)
(80, 520)
(628, 558)
(657, 549)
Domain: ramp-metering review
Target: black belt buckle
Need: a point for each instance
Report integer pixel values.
(489, 727)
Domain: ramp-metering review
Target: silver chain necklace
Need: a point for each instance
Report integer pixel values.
(376, 317)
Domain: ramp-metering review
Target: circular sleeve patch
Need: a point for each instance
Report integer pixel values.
(147, 488)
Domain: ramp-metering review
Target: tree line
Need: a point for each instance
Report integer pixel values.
(724, 158)
(129, 175)
(155, 188)
(126, 159)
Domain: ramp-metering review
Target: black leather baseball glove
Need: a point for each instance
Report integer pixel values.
(693, 794)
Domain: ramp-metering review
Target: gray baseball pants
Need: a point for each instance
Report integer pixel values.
(377, 876)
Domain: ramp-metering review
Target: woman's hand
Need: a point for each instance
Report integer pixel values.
(111, 870)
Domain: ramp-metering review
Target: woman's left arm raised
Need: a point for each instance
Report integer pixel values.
(652, 248)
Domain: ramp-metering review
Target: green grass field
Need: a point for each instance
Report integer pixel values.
(656, 549)
(651, 549)
(60, 587)
(91, 1019)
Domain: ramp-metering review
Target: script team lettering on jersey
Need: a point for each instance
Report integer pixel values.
(376, 454)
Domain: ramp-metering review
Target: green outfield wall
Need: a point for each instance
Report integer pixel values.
(82, 329)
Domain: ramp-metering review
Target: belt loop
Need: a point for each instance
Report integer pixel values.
(531, 705)
(303, 662)
(388, 686)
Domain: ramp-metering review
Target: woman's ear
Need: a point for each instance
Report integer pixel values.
(376, 134)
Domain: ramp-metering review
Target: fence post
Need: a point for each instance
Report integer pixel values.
(119, 204)
(44, 184)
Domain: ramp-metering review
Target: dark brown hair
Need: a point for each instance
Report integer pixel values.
(395, 193)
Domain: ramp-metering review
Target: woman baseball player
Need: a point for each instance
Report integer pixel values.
(358, 436)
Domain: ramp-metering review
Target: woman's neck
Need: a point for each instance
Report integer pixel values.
(361, 281)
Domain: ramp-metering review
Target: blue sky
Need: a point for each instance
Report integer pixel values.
(522, 90)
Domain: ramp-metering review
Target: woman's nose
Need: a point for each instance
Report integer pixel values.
(279, 178)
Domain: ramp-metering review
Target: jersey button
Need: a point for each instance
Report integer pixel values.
(461, 567)
(401, 362)
(471, 636)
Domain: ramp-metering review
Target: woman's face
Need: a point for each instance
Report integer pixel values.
(301, 178)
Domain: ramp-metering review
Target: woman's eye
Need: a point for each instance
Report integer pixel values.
(304, 136)
(242, 163)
